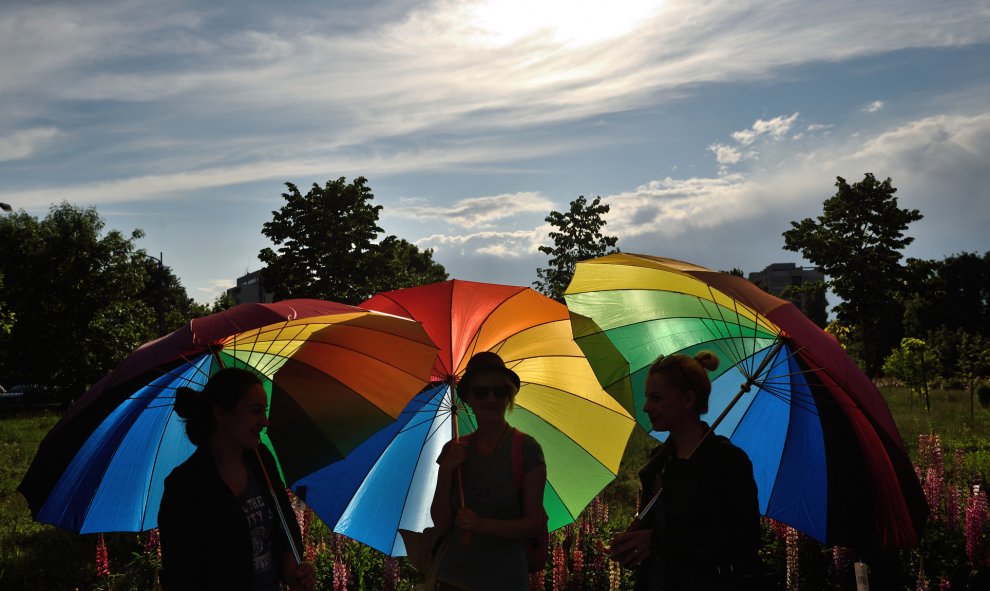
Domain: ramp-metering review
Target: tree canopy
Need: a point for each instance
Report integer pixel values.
(327, 247)
(857, 243)
(82, 298)
(577, 237)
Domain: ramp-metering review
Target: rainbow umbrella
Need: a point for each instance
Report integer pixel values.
(388, 482)
(827, 456)
(335, 375)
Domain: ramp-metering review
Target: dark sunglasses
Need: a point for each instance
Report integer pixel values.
(498, 392)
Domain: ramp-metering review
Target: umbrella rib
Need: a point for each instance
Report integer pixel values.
(158, 451)
(487, 317)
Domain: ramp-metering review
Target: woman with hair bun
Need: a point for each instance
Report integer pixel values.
(703, 530)
(217, 519)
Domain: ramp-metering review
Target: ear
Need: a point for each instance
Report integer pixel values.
(219, 414)
(690, 400)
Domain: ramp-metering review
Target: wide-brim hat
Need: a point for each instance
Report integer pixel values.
(486, 361)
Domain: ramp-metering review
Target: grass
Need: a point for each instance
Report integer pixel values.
(949, 417)
(38, 556)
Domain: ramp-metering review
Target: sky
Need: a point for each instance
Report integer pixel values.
(707, 127)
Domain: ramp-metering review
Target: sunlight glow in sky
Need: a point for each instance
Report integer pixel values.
(707, 127)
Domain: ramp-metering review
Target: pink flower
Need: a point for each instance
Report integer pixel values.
(559, 568)
(944, 585)
(341, 576)
(976, 519)
(793, 570)
(933, 486)
(102, 559)
(391, 574)
(841, 559)
(151, 542)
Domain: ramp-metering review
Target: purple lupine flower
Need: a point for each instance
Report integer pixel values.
(391, 574)
(933, 487)
(559, 568)
(793, 572)
(976, 519)
(102, 558)
(341, 576)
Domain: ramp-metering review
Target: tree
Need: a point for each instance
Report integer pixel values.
(6, 316)
(578, 237)
(75, 292)
(953, 293)
(911, 365)
(857, 243)
(810, 297)
(973, 363)
(327, 247)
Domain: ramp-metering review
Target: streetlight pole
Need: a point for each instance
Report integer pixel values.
(160, 304)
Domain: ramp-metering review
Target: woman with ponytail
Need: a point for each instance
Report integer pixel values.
(703, 530)
(217, 519)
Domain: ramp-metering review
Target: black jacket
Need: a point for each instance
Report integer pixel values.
(203, 529)
(712, 515)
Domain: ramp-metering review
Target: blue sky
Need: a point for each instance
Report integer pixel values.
(706, 126)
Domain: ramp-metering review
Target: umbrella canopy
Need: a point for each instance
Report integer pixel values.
(343, 373)
(388, 482)
(827, 456)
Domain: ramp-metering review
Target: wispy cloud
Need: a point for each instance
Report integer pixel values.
(478, 211)
(442, 71)
(873, 107)
(25, 143)
(774, 129)
(510, 244)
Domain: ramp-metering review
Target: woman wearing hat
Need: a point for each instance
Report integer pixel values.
(487, 530)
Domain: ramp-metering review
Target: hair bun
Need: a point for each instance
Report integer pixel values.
(186, 401)
(707, 359)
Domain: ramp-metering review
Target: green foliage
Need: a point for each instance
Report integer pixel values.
(857, 243)
(6, 316)
(76, 300)
(811, 298)
(911, 365)
(952, 294)
(578, 236)
(327, 247)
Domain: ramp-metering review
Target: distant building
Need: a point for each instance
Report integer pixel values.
(249, 290)
(778, 276)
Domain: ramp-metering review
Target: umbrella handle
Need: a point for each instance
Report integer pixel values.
(278, 509)
(465, 536)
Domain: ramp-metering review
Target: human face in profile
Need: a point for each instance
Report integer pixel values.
(667, 406)
(243, 424)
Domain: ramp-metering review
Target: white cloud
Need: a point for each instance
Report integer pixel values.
(940, 165)
(25, 143)
(216, 287)
(478, 211)
(725, 154)
(775, 128)
(873, 107)
(503, 244)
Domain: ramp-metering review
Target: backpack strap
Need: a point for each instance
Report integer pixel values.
(517, 458)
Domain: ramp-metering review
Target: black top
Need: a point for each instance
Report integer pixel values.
(203, 529)
(711, 518)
